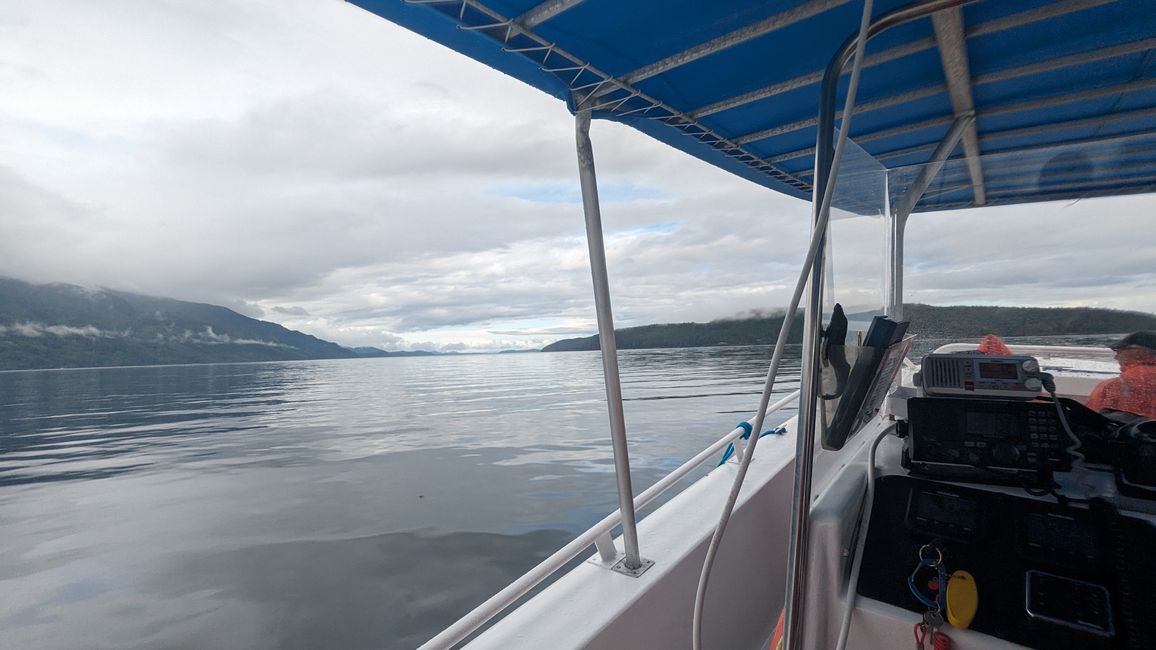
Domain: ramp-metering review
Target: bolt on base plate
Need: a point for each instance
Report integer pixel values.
(620, 567)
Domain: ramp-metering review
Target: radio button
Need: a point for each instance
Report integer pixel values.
(1005, 453)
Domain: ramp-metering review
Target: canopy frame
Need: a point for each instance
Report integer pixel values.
(633, 564)
(799, 543)
(554, 46)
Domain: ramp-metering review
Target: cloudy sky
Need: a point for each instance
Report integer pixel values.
(305, 162)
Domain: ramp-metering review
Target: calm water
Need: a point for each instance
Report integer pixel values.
(340, 504)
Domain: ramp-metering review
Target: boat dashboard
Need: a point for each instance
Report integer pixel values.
(987, 512)
(1046, 574)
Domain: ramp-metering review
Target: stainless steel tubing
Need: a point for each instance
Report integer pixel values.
(906, 204)
(795, 608)
(606, 336)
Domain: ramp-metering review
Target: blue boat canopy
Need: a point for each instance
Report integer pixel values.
(1063, 92)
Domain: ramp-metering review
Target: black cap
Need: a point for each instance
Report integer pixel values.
(1142, 339)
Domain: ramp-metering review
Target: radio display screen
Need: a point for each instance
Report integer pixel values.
(996, 370)
(942, 510)
(1060, 533)
(989, 424)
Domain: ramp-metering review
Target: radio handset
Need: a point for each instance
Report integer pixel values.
(1136, 461)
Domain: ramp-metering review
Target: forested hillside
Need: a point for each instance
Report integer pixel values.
(926, 321)
(958, 322)
(62, 325)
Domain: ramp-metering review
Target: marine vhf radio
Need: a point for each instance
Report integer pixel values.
(1057, 566)
(981, 375)
(1001, 437)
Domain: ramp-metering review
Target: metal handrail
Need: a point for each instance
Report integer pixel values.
(481, 614)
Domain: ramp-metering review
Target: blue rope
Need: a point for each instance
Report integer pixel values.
(938, 603)
(746, 427)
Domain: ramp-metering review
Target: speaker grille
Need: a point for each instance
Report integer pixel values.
(941, 373)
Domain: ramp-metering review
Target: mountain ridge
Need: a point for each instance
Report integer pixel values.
(959, 321)
(63, 325)
(66, 326)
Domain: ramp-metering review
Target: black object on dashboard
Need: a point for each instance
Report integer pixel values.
(856, 402)
(1049, 575)
(1136, 459)
(994, 441)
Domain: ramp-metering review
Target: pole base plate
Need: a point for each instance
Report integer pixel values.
(620, 567)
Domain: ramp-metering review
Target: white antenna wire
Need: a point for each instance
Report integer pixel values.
(823, 217)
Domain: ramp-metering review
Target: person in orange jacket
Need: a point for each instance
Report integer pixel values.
(1134, 391)
(994, 345)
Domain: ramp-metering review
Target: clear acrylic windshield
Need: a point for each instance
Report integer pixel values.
(1049, 237)
(855, 275)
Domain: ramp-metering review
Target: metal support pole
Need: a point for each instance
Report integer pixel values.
(795, 608)
(895, 297)
(952, 42)
(906, 205)
(805, 443)
(606, 340)
(934, 165)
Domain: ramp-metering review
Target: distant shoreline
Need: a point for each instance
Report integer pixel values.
(59, 326)
(1010, 339)
(192, 364)
(929, 322)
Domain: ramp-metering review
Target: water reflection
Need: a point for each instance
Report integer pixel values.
(353, 593)
(359, 503)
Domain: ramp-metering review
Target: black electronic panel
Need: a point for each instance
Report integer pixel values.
(1074, 604)
(943, 513)
(1003, 437)
(1048, 575)
(1059, 538)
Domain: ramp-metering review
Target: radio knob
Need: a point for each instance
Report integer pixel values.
(1031, 365)
(1006, 453)
(1031, 383)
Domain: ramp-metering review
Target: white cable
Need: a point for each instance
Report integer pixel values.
(1074, 449)
(861, 543)
(822, 218)
(1078, 471)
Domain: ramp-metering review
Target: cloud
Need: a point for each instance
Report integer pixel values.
(312, 164)
(1060, 253)
(550, 332)
(33, 330)
(333, 134)
(204, 337)
(209, 337)
(40, 226)
(244, 308)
